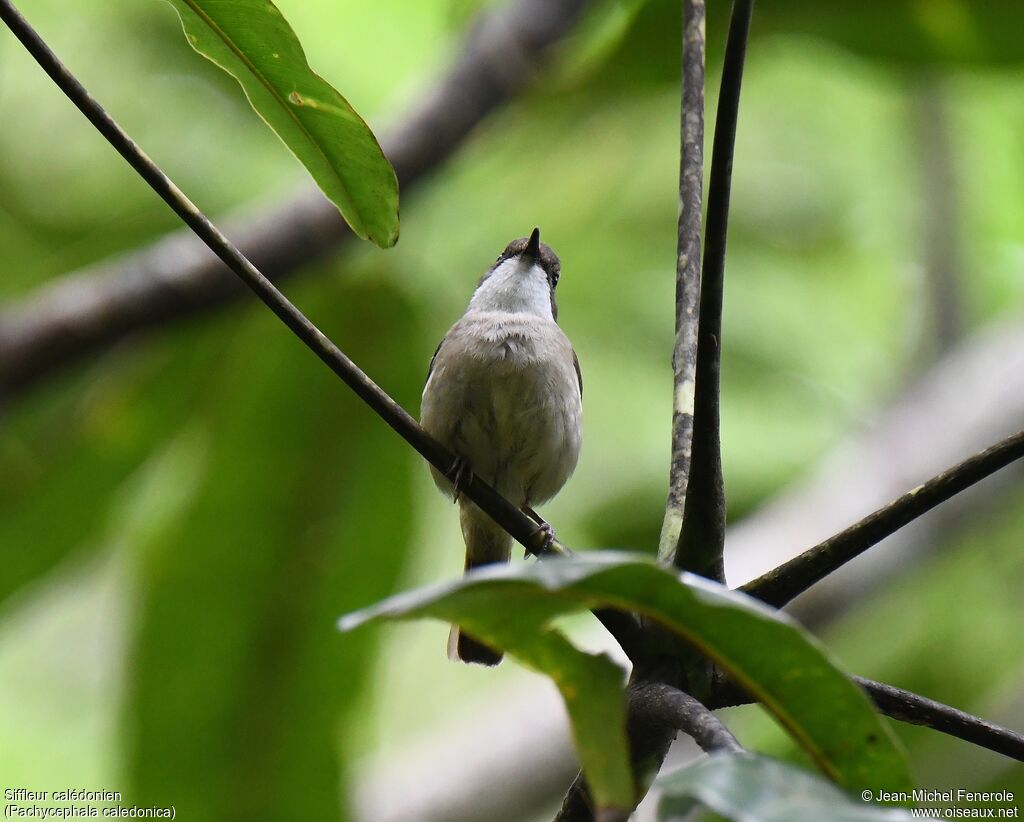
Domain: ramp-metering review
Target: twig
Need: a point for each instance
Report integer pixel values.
(702, 539)
(779, 586)
(521, 527)
(82, 315)
(914, 709)
(691, 196)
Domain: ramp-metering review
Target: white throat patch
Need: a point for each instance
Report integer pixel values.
(515, 286)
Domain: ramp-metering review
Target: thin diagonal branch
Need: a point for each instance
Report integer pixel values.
(779, 586)
(691, 196)
(521, 527)
(82, 315)
(702, 539)
(914, 709)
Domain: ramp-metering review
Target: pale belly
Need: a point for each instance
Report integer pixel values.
(511, 407)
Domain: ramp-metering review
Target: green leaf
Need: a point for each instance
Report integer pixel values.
(592, 688)
(752, 788)
(252, 41)
(768, 654)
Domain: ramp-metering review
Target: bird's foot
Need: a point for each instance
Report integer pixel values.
(459, 474)
(541, 539)
(526, 509)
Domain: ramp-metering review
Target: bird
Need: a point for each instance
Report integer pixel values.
(504, 394)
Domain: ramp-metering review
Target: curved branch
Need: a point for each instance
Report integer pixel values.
(676, 709)
(656, 712)
(779, 586)
(691, 196)
(83, 314)
(702, 539)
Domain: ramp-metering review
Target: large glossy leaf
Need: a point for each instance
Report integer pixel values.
(237, 684)
(252, 41)
(752, 788)
(787, 670)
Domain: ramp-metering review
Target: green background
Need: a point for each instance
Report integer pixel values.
(182, 519)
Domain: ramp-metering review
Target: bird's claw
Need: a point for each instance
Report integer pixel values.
(526, 509)
(459, 474)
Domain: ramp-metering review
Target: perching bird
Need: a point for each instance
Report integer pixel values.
(504, 393)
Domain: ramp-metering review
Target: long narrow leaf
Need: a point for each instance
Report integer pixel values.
(252, 41)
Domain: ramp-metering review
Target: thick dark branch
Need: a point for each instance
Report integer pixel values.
(702, 539)
(691, 196)
(913, 709)
(780, 585)
(624, 627)
(909, 707)
(520, 526)
(84, 314)
(673, 708)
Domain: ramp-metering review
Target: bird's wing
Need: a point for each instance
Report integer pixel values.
(430, 368)
(575, 364)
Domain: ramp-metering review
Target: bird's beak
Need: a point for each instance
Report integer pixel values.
(533, 247)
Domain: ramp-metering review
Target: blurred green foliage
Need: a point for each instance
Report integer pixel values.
(181, 521)
(281, 532)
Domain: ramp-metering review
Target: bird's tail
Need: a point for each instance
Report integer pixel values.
(486, 543)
